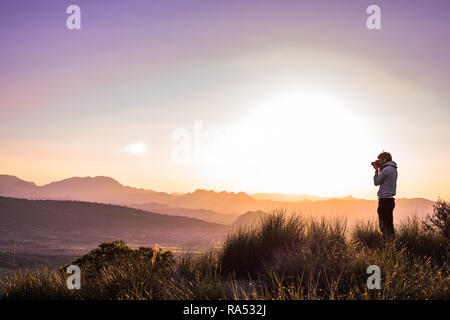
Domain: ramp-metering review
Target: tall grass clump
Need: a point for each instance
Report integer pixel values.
(366, 234)
(314, 268)
(246, 252)
(198, 277)
(422, 242)
(36, 285)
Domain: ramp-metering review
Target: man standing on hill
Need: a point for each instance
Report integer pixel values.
(386, 177)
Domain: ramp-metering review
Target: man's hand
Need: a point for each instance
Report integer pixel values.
(377, 169)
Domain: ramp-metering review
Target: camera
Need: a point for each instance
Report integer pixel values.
(376, 163)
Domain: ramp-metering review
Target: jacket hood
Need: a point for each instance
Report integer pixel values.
(391, 164)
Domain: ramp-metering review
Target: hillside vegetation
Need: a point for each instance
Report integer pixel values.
(282, 258)
(52, 226)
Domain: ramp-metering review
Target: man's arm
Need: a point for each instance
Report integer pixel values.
(378, 178)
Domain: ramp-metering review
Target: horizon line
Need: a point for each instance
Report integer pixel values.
(321, 198)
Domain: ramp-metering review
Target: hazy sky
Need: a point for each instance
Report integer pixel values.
(254, 96)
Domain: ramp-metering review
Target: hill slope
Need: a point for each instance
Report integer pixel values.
(248, 219)
(202, 214)
(67, 226)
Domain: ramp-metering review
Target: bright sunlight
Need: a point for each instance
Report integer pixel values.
(295, 142)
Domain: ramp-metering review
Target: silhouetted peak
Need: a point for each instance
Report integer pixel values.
(221, 194)
(9, 179)
(203, 191)
(103, 180)
(255, 212)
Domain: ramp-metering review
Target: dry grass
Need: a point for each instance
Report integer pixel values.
(282, 258)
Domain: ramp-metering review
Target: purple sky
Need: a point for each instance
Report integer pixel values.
(414, 40)
(135, 53)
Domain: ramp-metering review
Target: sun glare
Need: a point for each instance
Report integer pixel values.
(137, 148)
(296, 142)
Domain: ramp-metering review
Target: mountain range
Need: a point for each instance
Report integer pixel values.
(220, 207)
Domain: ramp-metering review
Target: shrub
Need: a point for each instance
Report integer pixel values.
(439, 221)
(116, 255)
(112, 271)
(422, 242)
(366, 234)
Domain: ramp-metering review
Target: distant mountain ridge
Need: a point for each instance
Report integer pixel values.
(286, 197)
(203, 214)
(203, 204)
(76, 188)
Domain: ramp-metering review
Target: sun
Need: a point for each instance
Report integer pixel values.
(299, 141)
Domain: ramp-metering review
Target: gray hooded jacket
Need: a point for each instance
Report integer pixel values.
(387, 180)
